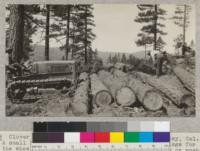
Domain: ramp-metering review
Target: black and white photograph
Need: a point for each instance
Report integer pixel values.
(100, 60)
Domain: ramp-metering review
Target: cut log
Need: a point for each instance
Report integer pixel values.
(118, 87)
(186, 78)
(80, 104)
(149, 97)
(100, 93)
(125, 96)
(170, 87)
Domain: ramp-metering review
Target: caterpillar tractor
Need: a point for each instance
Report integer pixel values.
(42, 75)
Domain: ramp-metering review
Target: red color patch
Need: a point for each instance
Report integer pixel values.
(102, 137)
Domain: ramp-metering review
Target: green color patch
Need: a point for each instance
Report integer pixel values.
(131, 137)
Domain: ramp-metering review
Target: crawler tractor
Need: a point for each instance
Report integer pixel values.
(43, 74)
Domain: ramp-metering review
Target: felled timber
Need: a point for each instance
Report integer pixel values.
(80, 104)
(188, 79)
(101, 96)
(148, 96)
(170, 87)
(123, 95)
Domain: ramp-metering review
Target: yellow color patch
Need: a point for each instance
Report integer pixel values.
(116, 137)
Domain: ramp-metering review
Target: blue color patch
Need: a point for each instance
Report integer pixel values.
(146, 137)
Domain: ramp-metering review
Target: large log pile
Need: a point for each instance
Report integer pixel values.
(80, 103)
(170, 87)
(118, 87)
(186, 78)
(101, 96)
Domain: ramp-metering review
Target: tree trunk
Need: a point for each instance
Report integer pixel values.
(47, 33)
(171, 88)
(85, 43)
(80, 104)
(148, 96)
(184, 23)
(186, 78)
(16, 35)
(122, 94)
(68, 32)
(73, 43)
(101, 95)
(155, 27)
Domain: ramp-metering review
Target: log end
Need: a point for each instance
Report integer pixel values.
(79, 108)
(103, 98)
(153, 101)
(125, 96)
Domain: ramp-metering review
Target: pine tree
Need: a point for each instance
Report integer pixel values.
(81, 32)
(29, 28)
(151, 15)
(178, 41)
(160, 44)
(64, 12)
(123, 59)
(115, 58)
(109, 59)
(77, 21)
(181, 18)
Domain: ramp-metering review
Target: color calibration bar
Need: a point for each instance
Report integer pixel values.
(102, 137)
(101, 132)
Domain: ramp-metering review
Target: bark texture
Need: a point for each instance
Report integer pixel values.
(186, 78)
(16, 35)
(80, 104)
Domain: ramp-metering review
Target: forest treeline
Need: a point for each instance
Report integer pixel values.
(74, 25)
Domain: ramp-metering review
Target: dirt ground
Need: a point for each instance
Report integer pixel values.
(50, 103)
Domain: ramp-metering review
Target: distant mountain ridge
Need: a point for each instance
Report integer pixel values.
(104, 54)
(57, 54)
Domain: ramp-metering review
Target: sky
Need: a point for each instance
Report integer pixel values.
(116, 30)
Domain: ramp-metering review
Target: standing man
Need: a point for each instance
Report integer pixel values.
(184, 49)
(149, 58)
(161, 57)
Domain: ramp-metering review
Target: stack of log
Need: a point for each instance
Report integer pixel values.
(174, 94)
(118, 86)
(149, 97)
(170, 87)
